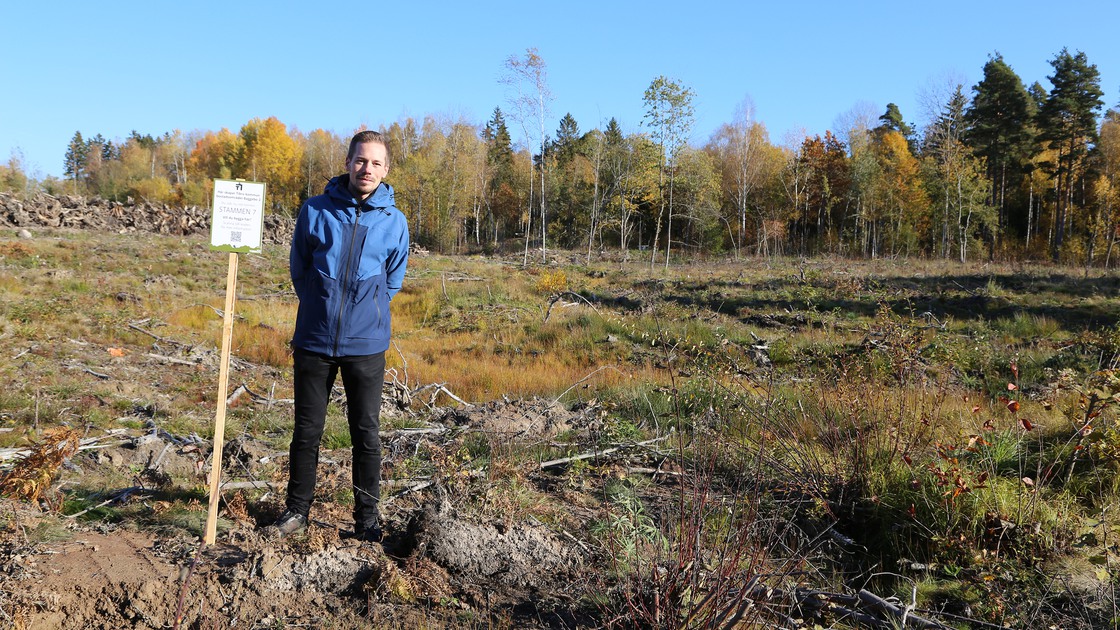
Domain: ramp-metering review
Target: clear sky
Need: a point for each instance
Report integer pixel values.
(115, 66)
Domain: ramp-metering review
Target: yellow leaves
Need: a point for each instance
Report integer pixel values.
(552, 282)
(271, 155)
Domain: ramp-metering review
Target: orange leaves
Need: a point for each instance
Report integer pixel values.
(976, 440)
(32, 477)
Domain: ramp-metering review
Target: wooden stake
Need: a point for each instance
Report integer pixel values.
(220, 417)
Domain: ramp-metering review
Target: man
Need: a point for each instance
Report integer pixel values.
(348, 259)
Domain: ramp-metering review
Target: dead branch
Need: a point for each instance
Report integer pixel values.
(263, 296)
(169, 359)
(556, 298)
(151, 334)
(385, 435)
(599, 453)
(643, 470)
(119, 497)
(84, 445)
(849, 607)
(219, 312)
(413, 488)
(243, 389)
(404, 365)
(439, 387)
(252, 485)
(878, 603)
(99, 375)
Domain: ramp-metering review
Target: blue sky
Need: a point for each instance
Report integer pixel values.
(115, 66)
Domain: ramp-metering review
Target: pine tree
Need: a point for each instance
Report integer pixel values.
(74, 164)
(1068, 119)
(892, 119)
(499, 197)
(999, 129)
(566, 144)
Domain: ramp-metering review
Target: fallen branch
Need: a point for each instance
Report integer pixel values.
(439, 387)
(169, 359)
(556, 298)
(413, 488)
(642, 470)
(848, 607)
(417, 431)
(599, 453)
(252, 485)
(86, 444)
(217, 311)
(878, 603)
(151, 334)
(121, 496)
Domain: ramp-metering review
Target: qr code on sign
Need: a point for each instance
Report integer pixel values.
(235, 236)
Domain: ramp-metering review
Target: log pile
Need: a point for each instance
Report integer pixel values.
(72, 211)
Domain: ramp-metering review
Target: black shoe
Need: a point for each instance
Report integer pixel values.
(368, 534)
(289, 523)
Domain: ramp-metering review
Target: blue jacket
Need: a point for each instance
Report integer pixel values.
(347, 262)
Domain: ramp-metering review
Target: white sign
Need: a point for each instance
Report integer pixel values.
(238, 221)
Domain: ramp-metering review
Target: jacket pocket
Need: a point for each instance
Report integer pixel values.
(370, 308)
(318, 309)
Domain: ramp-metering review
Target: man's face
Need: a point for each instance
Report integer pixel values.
(367, 167)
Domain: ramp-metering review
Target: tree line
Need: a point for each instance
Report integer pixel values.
(1001, 170)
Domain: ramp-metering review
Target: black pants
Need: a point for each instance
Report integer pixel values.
(362, 378)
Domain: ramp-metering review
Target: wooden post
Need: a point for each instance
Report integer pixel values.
(220, 418)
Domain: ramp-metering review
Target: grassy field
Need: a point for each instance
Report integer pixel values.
(943, 433)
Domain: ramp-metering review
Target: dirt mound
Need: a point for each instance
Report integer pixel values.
(502, 554)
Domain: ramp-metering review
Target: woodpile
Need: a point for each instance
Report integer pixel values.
(72, 211)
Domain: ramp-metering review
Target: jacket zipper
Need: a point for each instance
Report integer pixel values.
(346, 281)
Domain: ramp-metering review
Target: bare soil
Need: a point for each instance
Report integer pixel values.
(438, 567)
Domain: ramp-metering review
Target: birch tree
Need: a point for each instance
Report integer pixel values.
(669, 115)
(527, 77)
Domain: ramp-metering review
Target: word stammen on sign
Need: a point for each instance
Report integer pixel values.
(238, 218)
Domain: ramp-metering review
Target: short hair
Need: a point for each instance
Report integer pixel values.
(363, 137)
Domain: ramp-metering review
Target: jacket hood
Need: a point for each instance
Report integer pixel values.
(339, 188)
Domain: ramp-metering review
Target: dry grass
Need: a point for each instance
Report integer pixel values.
(866, 388)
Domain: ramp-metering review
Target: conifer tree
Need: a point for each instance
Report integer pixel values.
(74, 163)
(999, 129)
(1068, 120)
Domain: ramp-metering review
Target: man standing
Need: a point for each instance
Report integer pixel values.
(349, 254)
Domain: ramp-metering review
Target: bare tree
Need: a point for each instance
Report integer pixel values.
(527, 76)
